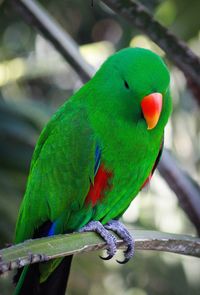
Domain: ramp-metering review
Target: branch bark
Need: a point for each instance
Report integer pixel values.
(44, 249)
(182, 56)
(178, 52)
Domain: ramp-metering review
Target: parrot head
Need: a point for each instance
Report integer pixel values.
(133, 84)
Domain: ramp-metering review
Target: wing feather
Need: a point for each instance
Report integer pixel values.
(61, 170)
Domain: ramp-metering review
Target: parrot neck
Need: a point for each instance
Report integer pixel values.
(121, 138)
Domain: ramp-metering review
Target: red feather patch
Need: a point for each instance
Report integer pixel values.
(147, 181)
(101, 184)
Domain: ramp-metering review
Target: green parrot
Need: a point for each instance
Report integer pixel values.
(93, 157)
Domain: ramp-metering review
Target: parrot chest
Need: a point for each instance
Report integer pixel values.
(128, 154)
(127, 167)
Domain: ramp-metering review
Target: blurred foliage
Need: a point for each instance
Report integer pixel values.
(34, 81)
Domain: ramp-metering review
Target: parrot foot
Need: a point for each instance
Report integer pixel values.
(123, 233)
(96, 226)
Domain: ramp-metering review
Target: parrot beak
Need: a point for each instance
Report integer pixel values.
(151, 107)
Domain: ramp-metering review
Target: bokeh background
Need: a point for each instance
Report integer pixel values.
(35, 81)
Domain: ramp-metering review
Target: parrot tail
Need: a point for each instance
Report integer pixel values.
(28, 280)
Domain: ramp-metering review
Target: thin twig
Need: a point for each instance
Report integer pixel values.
(182, 56)
(44, 249)
(28, 11)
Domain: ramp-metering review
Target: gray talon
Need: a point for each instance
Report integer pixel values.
(123, 233)
(96, 226)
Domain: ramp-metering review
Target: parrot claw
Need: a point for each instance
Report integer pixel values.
(107, 257)
(123, 233)
(96, 226)
(123, 261)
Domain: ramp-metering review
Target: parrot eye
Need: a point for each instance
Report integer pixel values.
(126, 84)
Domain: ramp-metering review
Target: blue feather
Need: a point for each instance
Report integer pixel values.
(52, 229)
(97, 159)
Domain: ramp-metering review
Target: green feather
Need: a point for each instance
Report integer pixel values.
(21, 280)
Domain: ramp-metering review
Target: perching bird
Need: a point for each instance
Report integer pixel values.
(91, 160)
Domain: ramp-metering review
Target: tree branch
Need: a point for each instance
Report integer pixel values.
(44, 249)
(182, 56)
(35, 15)
(137, 15)
(187, 192)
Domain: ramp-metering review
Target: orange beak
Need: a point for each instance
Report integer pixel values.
(151, 107)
